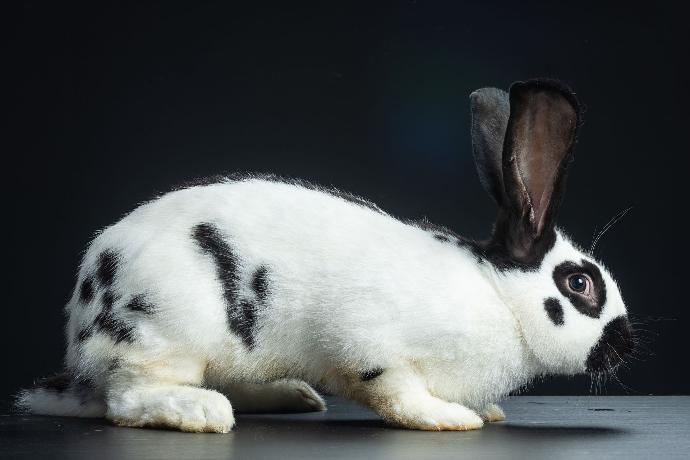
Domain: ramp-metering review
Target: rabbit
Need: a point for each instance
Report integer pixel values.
(246, 293)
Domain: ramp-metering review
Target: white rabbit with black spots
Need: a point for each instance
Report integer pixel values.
(234, 294)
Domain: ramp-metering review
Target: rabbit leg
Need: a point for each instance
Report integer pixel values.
(280, 396)
(401, 398)
(165, 395)
(492, 413)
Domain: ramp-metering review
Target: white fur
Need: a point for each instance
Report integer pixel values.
(350, 289)
(42, 401)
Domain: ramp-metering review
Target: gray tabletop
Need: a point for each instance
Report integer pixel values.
(537, 427)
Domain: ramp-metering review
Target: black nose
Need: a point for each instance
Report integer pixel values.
(615, 344)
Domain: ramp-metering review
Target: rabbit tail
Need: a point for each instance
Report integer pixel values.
(62, 395)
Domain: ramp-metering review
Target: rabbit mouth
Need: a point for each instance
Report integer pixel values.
(614, 346)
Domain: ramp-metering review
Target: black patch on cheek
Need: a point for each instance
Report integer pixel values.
(86, 291)
(443, 238)
(139, 304)
(554, 310)
(370, 374)
(589, 306)
(260, 283)
(107, 268)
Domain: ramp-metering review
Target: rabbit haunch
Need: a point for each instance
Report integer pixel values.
(247, 288)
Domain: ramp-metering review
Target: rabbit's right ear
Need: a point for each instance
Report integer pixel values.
(490, 113)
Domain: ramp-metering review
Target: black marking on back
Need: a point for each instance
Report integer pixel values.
(260, 282)
(370, 374)
(587, 306)
(210, 240)
(554, 310)
(108, 323)
(138, 303)
(107, 267)
(86, 291)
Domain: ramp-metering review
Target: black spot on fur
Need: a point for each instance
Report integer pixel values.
(260, 283)
(86, 291)
(210, 240)
(108, 323)
(590, 306)
(370, 374)
(554, 310)
(107, 268)
(443, 238)
(241, 316)
(242, 322)
(138, 303)
(615, 344)
(85, 333)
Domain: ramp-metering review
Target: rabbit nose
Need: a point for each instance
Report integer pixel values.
(615, 344)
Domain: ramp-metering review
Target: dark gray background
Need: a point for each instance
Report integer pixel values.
(107, 105)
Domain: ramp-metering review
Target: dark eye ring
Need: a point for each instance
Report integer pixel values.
(580, 283)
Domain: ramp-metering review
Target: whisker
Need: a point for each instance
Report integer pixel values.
(607, 227)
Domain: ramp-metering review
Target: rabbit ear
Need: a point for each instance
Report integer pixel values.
(490, 110)
(538, 147)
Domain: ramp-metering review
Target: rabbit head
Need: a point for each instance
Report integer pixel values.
(569, 308)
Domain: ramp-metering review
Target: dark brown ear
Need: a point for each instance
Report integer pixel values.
(490, 112)
(538, 147)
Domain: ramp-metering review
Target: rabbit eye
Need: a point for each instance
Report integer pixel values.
(580, 283)
(583, 285)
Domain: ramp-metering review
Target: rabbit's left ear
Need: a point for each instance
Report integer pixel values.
(538, 147)
(490, 112)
